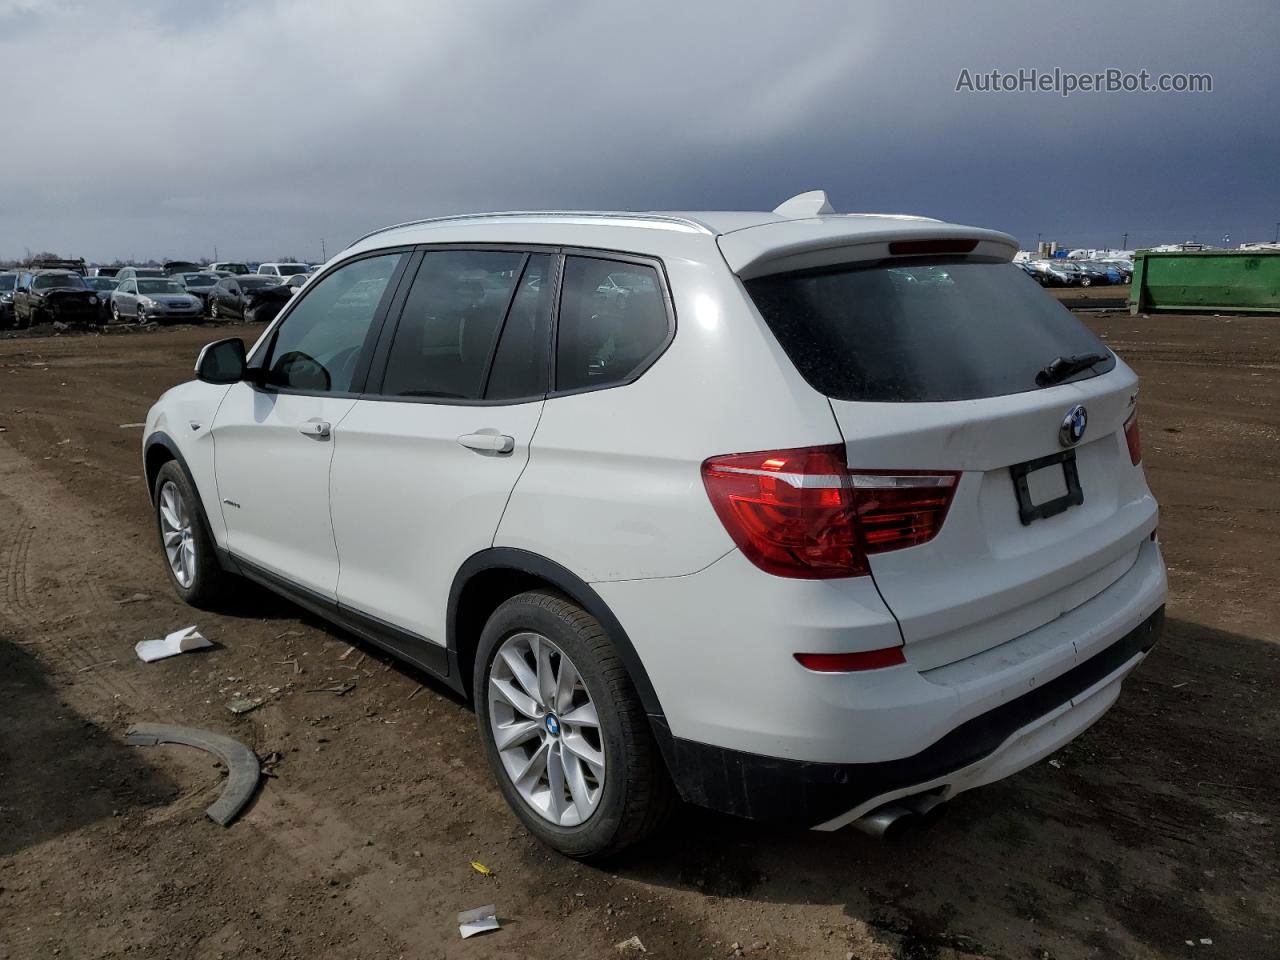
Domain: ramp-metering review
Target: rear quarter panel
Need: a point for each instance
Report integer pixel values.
(613, 489)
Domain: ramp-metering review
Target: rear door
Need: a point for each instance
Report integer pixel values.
(273, 437)
(932, 366)
(425, 465)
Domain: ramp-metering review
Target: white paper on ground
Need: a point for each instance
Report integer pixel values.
(180, 641)
(479, 920)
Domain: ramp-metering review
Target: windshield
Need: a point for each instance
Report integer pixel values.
(158, 286)
(918, 331)
(101, 283)
(289, 269)
(8, 281)
(199, 279)
(59, 281)
(255, 283)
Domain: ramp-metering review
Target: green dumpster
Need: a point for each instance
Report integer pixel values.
(1225, 281)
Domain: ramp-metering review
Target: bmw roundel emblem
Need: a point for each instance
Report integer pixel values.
(553, 725)
(1073, 426)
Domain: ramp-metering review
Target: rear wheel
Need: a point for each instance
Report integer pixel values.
(563, 730)
(188, 548)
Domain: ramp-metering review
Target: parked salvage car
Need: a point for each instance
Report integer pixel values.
(282, 269)
(200, 284)
(295, 283)
(867, 528)
(7, 283)
(129, 273)
(1047, 274)
(154, 298)
(104, 287)
(229, 266)
(49, 296)
(249, 297)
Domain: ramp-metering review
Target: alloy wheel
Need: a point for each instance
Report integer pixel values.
(546, 729)
(177, 534)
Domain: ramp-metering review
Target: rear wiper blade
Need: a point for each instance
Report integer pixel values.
(1064, 367)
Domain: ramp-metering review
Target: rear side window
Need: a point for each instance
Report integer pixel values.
(921, 331)
(613, 322)
(450, 323)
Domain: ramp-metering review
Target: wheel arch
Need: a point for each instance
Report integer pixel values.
(491, 576)
(157, 451)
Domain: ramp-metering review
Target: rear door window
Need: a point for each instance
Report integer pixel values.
(522, 364)
(450, 324)
(921, 331)
(613, 322)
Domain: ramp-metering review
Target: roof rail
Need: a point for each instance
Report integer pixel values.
(603, 215)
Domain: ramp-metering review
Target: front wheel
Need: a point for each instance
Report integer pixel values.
(184, 537)
(563, 730)
(213, 310)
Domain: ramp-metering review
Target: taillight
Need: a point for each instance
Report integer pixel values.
(1133, 438)
(802, 512)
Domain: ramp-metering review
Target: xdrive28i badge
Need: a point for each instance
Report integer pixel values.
(1073, 426)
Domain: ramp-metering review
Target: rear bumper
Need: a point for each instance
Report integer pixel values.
(982, 750)
(746, 730)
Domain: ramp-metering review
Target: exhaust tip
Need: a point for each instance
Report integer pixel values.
(901, 817)
(888, 822)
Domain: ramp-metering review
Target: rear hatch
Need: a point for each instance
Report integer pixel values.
(936, 365)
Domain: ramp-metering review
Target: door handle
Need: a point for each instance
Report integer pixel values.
(488, 442)
(316, 429)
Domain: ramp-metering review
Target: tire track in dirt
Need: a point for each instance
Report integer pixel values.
(72, 633)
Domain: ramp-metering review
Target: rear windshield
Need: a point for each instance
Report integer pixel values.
(921, 331)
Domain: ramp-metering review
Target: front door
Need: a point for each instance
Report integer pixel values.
(274, 435)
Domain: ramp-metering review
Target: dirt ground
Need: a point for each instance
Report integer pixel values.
(1155, 829)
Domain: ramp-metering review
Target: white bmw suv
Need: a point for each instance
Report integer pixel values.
(797, 516)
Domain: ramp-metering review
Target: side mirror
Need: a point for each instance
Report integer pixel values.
(222, 361)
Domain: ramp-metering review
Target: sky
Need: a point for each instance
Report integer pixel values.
(159, 128)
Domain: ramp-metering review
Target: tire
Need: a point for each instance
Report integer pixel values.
(1086, 282)
(634, 795)
(213, 309)
(141, 314)
(208, 583)
(115, 312)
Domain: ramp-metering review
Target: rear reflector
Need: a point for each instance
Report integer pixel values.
(1133, 438)
(802, 513)
(899, 248)
(851, 662)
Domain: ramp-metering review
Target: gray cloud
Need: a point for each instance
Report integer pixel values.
(153, 128)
